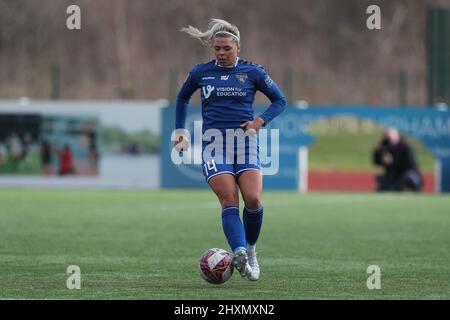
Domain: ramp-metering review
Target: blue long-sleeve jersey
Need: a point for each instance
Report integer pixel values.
(227, 94)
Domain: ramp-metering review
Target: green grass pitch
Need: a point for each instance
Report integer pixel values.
(146, 245)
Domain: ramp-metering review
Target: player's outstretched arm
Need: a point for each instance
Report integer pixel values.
(184, 95)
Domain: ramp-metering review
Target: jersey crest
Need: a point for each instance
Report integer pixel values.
(242, 77)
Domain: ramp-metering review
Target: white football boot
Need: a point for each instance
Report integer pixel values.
(240, 262)
(253, 262)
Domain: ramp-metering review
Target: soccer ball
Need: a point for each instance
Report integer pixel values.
(216, 265)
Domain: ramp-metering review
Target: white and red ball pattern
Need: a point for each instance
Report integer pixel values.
(216, 265)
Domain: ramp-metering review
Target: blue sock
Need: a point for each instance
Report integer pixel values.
(252, 224)
(233, 229)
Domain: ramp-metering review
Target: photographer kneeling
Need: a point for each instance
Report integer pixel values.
(398, 160)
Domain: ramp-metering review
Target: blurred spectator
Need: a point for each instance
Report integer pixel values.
(66, 161)
(91, 134)
(27, 150)
(15, 146)
(46, 158)
(133, 148)
(399, 163)
(15, 149)
(3, 154)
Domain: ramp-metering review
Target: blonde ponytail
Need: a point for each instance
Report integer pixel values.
(215, 27)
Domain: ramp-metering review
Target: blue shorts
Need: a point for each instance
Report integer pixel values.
(230, 155)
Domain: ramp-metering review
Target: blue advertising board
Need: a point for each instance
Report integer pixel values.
(429, 126)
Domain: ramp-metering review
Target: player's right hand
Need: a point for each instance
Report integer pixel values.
(181, 142)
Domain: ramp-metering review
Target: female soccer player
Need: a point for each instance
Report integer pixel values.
(228, 86)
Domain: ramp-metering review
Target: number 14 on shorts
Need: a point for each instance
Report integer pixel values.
(210, 165)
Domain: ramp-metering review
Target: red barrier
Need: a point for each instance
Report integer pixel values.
(353, 181)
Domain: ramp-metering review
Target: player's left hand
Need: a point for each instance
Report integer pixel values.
(253, 125)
